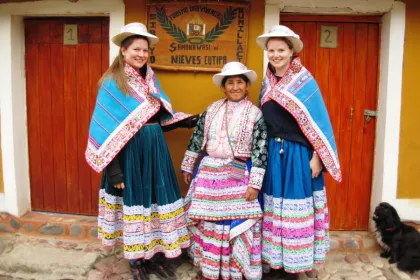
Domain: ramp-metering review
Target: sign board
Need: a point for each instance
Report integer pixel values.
(197, 36)
(329, 36)
(70, 34)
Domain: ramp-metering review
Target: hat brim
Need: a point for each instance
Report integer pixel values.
(119, 38)
(296, 42)
(250, 74)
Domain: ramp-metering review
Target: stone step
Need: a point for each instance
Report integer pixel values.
(353, 241)
(51, 224)
(85, 227)
(47, 258)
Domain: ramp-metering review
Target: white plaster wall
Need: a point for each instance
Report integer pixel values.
(16, 199)
(5, 45)
(385, 179)
(2, 204)
(272, 17)
(10, 143)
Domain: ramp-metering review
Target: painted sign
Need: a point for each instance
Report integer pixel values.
(197, 37)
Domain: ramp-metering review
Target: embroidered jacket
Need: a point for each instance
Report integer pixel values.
(117, 117)
(249, 140)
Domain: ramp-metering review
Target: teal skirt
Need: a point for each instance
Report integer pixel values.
(147, 217)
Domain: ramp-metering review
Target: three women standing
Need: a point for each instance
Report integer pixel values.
(301, 144)
(140, 204)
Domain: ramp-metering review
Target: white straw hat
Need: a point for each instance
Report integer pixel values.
(234, 68)
(134, 28)
(281, 31)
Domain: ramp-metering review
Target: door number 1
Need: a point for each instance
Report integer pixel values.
(329, 36)
(70, 34)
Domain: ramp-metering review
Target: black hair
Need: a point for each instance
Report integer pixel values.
(242, 76)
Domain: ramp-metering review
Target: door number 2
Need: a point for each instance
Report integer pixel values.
(70, 34)
(328, 36)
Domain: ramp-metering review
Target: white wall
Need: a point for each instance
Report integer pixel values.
(14, 142)
(385, 180)
(2, 204)
(13, 125)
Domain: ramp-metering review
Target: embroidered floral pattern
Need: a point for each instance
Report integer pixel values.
(259, 145)
(189, 160)
(250, 115)
(256, 135)
(256, 177)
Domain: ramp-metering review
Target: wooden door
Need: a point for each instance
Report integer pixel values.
(61, 89)
(348, 78)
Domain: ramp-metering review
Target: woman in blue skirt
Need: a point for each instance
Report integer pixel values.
(140, 204)
(301, 146)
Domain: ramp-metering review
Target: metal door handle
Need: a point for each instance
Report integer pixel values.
(369, 114)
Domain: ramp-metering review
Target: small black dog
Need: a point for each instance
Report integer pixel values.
(401, 243)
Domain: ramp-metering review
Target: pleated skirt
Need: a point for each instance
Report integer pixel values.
(295, 224)
(147, 217)
(225, 229)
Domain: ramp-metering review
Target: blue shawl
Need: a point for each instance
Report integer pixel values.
(117, 117)
(299, 94)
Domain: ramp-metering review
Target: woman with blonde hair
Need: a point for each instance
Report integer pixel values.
(301, 145)
(140, 204)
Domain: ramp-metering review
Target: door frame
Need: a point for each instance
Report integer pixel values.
(385, 165)
(14, 142)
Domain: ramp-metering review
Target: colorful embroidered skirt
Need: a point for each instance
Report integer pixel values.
(295, 224)
(225, 229)
(218, 253)
(147, 217)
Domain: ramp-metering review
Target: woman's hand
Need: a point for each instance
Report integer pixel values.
(187, 177)
(251, 194)
(315, 165)
(119, 186)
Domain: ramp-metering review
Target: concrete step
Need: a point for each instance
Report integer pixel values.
(50, 258)
(51, 224)
(30, 257)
